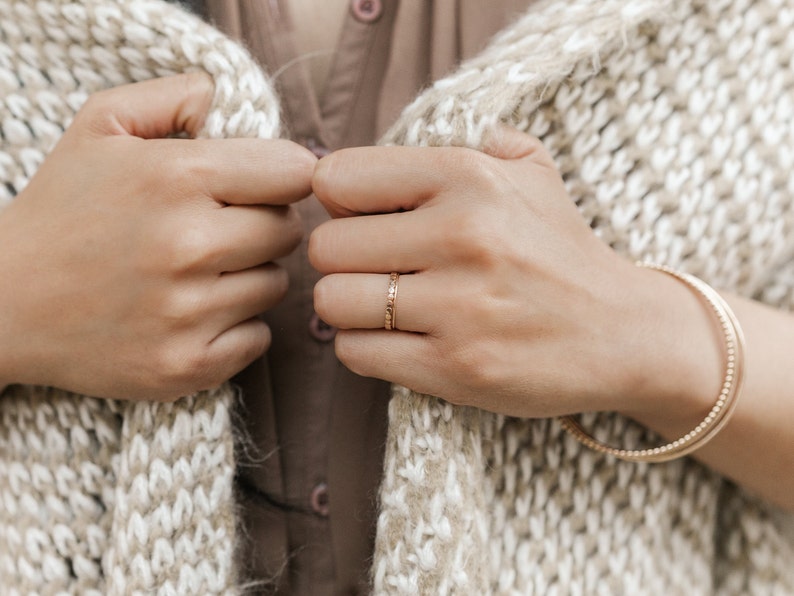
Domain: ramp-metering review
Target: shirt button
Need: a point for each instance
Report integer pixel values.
(320, 330)
(319, 499)
(367, 11)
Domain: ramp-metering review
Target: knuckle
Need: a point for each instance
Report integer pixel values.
(534, 144)
(473, 164)
(491, 177)
(485, 176)
(476, 161)
(182, 309)
(483, 236)
(185, 367)
(477, 237)
(194, 249)
(176, 170)
(475, 365)
(538, 151)
(459, 231)
(204, 371)
(199, 371)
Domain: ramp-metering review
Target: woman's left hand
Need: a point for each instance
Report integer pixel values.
(507, 300)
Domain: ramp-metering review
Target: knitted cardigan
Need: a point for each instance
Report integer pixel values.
(672, 122)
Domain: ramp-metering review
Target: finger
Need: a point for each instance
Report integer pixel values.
(507, 143)
(151, 109)
(236, 348)
(253, 171)
(381, 179)
(242, 295)
(389, 179)
(407, 359)
(358, 301)
(375, 243)
(253, 235)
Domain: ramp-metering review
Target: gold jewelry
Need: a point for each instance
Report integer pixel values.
(726, 401)
(391, 297)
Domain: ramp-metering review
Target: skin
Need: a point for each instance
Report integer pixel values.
(165, 250)
(136, 265)
(512, 304)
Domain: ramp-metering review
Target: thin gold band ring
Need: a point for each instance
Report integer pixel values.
(390, 322)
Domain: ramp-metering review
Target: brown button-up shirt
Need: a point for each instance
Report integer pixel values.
(309, 480)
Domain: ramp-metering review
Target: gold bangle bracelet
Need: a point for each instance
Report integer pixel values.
(726, 401)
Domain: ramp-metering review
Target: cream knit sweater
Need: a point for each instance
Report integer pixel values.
(672, 122)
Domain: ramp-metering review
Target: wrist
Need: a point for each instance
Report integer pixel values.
(674, 355)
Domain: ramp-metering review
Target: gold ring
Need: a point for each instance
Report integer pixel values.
(391, 297)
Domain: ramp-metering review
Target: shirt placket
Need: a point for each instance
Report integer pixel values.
(306, 376)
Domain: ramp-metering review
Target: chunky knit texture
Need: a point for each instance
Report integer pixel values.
(96, 496)
(672, 123)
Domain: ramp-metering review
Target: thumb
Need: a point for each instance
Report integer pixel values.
(508, 143)
(152, 109)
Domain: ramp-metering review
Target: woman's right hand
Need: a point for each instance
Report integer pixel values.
(133, 265)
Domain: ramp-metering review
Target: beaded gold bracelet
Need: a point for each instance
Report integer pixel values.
(726, 401)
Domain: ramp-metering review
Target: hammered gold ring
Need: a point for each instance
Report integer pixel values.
(390, 322)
